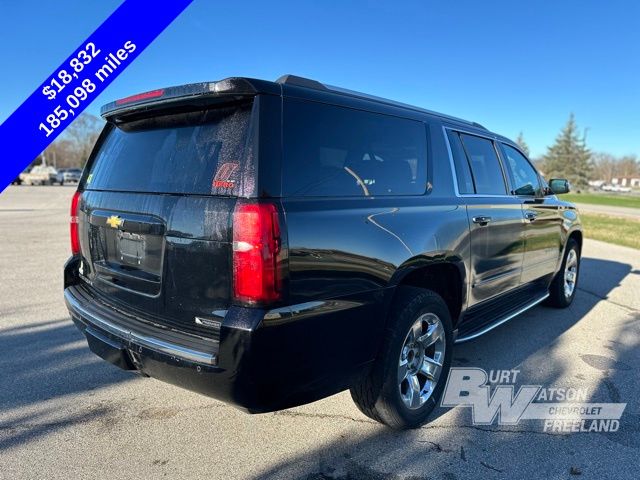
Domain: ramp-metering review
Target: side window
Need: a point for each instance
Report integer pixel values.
(487, 172)
(337, 151)
(523, 175)
(463, 172)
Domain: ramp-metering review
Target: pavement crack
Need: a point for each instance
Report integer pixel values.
(495, 430)
(436, 447)
(289, 413)
(490, 467)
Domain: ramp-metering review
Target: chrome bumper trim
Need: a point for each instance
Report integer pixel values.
(131, 337)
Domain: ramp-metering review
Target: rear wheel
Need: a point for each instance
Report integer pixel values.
(407, 379)
(563, 288)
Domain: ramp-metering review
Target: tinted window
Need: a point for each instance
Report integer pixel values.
(463, 173)
(330, 150)
(487, 173)
(523, 175)
(186, 153)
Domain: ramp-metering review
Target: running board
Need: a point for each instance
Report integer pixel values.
(475, 334)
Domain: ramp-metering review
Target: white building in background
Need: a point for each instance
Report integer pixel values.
(633, 182)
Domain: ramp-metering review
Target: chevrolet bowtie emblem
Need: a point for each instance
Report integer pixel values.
(114, 221)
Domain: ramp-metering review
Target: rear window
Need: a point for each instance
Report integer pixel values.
(337, 151)
(200, 152)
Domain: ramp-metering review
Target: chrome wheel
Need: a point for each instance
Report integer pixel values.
(570, 273)
(421, 360)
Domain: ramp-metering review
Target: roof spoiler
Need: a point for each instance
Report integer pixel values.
(165, 96)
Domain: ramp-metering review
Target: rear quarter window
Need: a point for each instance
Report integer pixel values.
(337, 151)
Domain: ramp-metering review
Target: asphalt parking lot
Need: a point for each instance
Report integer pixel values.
(64, 413)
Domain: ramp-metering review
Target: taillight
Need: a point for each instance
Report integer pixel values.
(75, 236)
(140, 96)
(256, 243)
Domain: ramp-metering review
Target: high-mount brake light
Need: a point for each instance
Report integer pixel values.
(140, 96)
(256, 244)
(73, 224)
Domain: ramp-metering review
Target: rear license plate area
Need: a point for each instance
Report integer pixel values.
(131, 248)
(127, 253)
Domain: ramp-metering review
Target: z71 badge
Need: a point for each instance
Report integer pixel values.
(222, 178)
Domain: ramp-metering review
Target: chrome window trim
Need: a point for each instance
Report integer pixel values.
(456, 190)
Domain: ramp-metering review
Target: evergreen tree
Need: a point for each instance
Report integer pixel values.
(522, 144)
(569, 157)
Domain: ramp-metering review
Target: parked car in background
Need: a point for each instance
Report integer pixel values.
(68, 175)
(17, 181)
(273, 243)
(616, 188)
(40, 175)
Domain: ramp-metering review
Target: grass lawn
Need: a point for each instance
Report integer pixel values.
(621, 231)
(601, 199)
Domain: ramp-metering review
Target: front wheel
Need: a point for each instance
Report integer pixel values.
(563, 288)
(408, 378)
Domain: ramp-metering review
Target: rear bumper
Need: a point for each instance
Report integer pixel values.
(134, 339)
(154, 355)
(263, 361)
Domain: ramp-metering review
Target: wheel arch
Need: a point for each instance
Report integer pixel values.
(573, 234)
(445, 274)
(576, 235)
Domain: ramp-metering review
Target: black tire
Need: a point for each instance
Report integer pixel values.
(557, 297)
(378, 394)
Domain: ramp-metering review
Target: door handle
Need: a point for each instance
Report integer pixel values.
(481, 219)
(530, 215)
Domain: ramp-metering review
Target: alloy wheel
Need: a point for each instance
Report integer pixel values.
(421, 360)
(570, 273)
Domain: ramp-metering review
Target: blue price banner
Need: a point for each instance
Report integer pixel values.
(80, 79)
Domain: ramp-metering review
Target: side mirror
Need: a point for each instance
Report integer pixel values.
(558, 186)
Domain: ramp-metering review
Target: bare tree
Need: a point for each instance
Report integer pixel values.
(608, 167)
(604, 166)
(628, 167)
(73, 147)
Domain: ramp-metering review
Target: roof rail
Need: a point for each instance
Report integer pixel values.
(316, 85)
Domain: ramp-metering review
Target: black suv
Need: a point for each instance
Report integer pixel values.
(272, 243)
